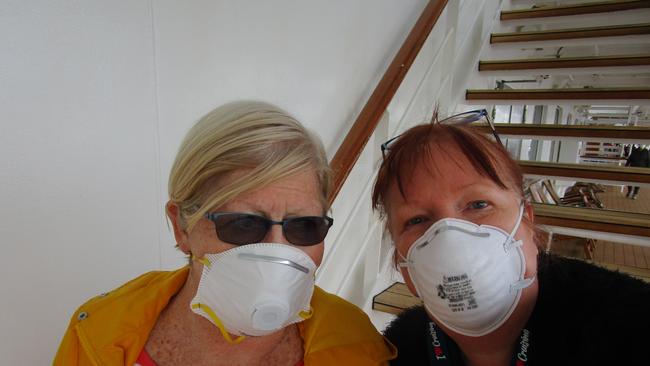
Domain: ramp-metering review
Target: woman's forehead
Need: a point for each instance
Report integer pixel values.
(439, 162)
(444, 170)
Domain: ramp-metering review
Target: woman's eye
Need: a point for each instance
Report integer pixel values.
(415, 221)
(477, 205)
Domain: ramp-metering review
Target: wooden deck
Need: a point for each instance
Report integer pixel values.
(614, 199)
(631, 259)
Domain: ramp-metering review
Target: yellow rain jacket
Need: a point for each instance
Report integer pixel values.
(112, 328)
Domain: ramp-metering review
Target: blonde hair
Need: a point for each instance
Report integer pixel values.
(258, 141)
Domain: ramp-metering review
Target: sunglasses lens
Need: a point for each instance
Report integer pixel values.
(241, 229)
(305, 231)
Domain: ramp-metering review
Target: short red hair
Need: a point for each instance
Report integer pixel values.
(417, 146)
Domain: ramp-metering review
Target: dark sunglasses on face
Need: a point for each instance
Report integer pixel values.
(458, 119)
(243, 228)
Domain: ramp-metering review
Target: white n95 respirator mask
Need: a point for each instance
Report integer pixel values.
(469, 276)
(255, 289)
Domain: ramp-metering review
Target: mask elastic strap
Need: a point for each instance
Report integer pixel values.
(509, 242)
(204, 261)
(206, 309)
(522, 284)
(304, 315)
(404, 261)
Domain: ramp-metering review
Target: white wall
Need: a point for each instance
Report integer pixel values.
(95, 98)
(446, 65)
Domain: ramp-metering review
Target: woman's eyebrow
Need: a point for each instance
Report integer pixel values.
(407, 210)
(484, 184)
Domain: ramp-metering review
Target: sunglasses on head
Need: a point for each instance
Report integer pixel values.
(458, 119)
(243, 228)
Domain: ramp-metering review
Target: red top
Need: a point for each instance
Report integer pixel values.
(145, 360)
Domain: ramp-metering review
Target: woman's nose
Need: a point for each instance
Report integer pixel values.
(275, 235)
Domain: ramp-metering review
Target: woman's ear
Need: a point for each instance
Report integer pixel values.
(174, 215)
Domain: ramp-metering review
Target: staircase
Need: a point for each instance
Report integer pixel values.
(567, 57)
(585, 94)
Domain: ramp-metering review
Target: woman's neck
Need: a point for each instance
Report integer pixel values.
(498, 347)
(193, 337)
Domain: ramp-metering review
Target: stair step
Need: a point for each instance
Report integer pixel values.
(559, 94)
(394, 299)
(618, 222)
(574, 9)
(564, 63)
(635, 133)
(571, 33)
(597, 172)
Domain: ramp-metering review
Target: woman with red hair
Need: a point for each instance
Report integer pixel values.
(467, 246)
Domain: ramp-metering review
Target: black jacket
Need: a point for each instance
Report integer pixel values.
(584, 315)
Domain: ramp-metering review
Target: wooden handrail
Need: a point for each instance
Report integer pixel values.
(575, 9)
(357, 138)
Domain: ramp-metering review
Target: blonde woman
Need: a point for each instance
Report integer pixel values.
(248, 206)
